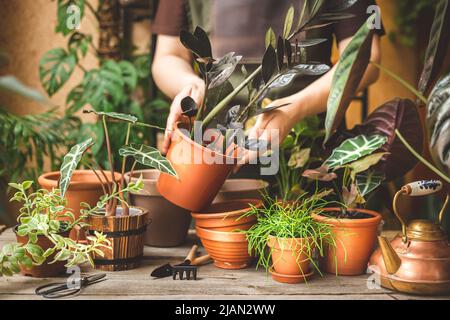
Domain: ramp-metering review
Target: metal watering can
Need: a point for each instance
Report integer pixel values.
(417, 261)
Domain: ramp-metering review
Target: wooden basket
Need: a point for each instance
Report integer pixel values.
(126, 234)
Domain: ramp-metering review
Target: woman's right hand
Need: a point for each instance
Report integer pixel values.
(196, 91)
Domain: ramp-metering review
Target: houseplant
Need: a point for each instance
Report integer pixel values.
(292, 236)
(43, 248)
(123, 225)
(203, 161)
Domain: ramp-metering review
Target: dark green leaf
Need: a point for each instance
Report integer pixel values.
(204, 42)
(55, 68)
(269, 63)
(280, 53)
(189, 107)
(129, 74)
(79, 43)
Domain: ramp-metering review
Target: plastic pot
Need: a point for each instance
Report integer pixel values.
(355, 241)
(169, 223)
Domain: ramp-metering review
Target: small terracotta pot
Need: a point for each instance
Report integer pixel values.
(234, 189)
(355, 241)
(199, 177)
(45, 269)
(229, 250)
(84, 187)
(226, 216)
(126, 234)
(169, 223)
(291, 256)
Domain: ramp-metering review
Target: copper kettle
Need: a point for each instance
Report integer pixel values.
(416, 261)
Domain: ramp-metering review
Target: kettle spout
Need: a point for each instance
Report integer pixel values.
(391, 259)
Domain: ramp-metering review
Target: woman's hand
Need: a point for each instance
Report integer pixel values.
(196, 91)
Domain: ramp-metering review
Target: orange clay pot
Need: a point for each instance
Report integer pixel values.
(290, 256)
(45, 269)
(355, 242)
(229, 250)
(226, 216)
(84, 187)
(199, 179)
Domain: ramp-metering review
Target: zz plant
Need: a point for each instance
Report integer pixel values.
(40, 216)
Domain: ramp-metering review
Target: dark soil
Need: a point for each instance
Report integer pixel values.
(346, 215)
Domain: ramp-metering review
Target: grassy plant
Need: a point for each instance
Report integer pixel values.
(289, 220)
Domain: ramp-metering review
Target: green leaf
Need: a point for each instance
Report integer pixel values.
(365, 163)
(353, 149)
(349, 72)
(34, 250)
(79, 43)
(114, 115)
(55, 68)
(368, 181)
(70, 163)
(299, 158)
(62, 255)
(148, 156)
(129, 74)
(437, 46)
(271, 39)
(288, 21)
(67, 16)
(12, 84)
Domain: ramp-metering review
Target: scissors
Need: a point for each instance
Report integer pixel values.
(60, 290)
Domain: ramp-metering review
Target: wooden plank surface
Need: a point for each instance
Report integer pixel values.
(212, 283)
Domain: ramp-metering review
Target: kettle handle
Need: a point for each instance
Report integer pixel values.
(414, 189)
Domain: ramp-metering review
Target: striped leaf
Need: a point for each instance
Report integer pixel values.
(353, 149)
(368, 181)
(70, 163)
(148, 156)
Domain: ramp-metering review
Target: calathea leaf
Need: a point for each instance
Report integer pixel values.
(269, 63)
(401, 114)
(353, 149)
(148, 156)
(438, 123)
(70, 163)
(280, 53)
(288, 21)
(189, 107)
(12, 84)
(222, 69)
(368, 181)
(437, 46)
(349, 72)
(55, 68)
(270, 39)
(114, 115)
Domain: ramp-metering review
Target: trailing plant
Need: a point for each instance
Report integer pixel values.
(114, 86)
(40, 216)
(289, 220)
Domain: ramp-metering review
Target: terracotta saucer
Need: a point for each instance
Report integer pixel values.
(288, 278)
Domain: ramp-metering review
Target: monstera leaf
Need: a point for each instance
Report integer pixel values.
(368, 181)
(353, 149)
(114, 115)
(55, 68)
(438, 123)
(12, 84)
(148, 156)
(437, 46)
(70, 163)
(349, 72)
(401, 114)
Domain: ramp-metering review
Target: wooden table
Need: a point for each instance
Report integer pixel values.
(212, 283)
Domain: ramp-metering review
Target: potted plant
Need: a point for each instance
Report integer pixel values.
(43, 247)
(124, 225)
(203, 160)
(292, 236)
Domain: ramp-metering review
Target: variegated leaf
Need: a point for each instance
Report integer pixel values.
(114, 115)
(368, 181)
(353, 149)
(148, 156)
(70, 163)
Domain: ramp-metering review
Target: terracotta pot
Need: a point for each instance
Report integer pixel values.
(290, 256)
(169, 223)
(226, 216)
(199, 177)
(229, 250)
(45, 269)
(126, 234)
(234, 189)
(355, 241)
(84, 187)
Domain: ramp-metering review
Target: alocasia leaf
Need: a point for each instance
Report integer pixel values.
(70, 163)
(353, 149)
(368, 181)
(114, 115)
(55, 68)
(365, 163)
(148, 156)
(349, 72)
(438, 123)
(437, 46)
